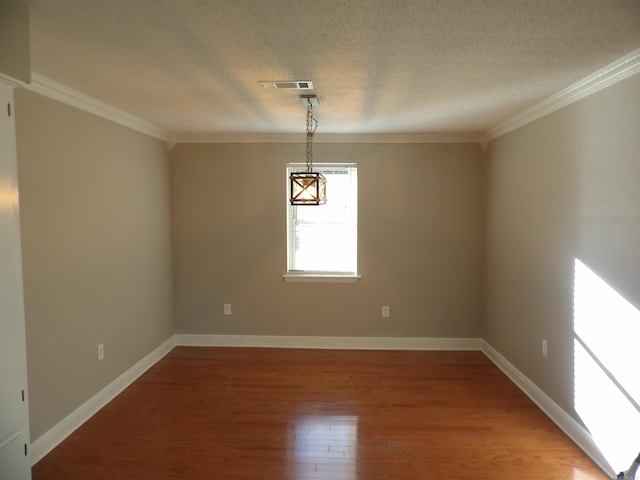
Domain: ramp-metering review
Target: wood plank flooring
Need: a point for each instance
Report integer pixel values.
(286, 414)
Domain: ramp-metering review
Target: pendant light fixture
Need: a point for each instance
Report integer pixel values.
(308, 187)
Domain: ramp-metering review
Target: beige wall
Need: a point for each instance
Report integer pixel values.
(94, 201)
(96, 222)
(421, 217)
(15, 57)
(565, 187)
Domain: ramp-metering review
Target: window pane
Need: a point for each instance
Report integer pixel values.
(326, 247)
(324, 238)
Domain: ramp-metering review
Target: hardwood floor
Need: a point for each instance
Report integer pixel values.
(280, 414)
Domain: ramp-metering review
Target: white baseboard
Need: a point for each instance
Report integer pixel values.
(338, 343)
(562, 419)
(565, 422)
(47, 442)
(72, 422)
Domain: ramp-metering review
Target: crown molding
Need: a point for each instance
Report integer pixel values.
(617, 71)
(48, 88)
(10, 81)
(473, 137)
(613, 73)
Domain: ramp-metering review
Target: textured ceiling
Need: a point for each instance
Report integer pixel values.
(397, 66)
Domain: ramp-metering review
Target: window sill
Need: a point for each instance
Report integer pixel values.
(319, 278)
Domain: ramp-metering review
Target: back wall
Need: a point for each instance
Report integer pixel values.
(420, 245)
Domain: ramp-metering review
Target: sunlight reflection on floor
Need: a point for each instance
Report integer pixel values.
(325, 446)
(580, 475)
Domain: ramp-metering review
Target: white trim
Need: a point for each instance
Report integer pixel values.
(333, 343)
(473, 137)
(619, 70)
(317, 278)
(56, 91)
(72, 422)
(10, 81)
(576, 432)
(615, 72)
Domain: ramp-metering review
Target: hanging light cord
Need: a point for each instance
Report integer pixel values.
(312, 125)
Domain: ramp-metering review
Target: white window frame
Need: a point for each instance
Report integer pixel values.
(347, 275)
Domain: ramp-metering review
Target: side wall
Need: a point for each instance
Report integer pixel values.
(15, 57)
(564, 199)
(95, 215)
(421, 215)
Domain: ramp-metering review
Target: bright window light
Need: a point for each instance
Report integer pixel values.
(606, 360)
(323, 239)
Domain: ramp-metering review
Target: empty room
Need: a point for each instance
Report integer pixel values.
(330, 240)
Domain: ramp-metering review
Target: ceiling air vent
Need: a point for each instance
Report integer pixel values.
(288, 85)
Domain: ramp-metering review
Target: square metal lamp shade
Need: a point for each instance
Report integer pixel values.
(308, 188)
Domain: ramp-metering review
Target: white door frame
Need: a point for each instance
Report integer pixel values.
(14, 414)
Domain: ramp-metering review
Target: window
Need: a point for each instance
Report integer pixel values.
(322, 240)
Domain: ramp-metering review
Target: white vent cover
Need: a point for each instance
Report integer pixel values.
(287, 84)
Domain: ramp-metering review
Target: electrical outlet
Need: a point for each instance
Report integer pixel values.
(227, 309)
(545, 348)
(386, 311)
(101, 351)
